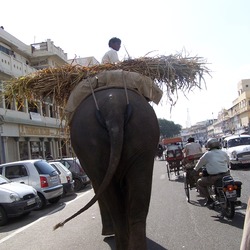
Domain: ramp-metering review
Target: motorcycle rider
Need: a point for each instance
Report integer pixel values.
(216, 163)
(192, 147)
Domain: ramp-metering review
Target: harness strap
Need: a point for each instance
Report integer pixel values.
(99, 116)
(93, 93)
(125, 87)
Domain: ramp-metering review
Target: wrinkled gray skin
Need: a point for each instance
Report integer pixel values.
(117, 152)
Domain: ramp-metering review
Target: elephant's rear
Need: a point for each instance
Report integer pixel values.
(126, 125)
(89, 133)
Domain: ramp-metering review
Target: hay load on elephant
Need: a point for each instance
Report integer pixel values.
(165, 75)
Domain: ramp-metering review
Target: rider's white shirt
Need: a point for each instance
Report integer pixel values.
(192, 148)
(216, 161)
(110, 57)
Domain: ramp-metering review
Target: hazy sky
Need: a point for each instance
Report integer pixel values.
(217, 30)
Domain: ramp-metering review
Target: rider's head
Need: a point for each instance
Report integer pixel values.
(190, 139)
(213, 143)
(115, 43)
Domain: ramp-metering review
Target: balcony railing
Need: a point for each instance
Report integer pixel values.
(13, 67)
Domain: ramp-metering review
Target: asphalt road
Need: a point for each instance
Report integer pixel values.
(172, 224)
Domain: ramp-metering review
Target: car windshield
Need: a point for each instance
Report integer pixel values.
(3, 180)
(239, 141)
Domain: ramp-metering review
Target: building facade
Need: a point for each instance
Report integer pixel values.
(235, 120)
(30, 130)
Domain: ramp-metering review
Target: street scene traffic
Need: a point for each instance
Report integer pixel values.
(173, 223)
(125, 126)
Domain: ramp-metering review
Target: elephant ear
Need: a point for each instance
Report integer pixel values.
(127, 114)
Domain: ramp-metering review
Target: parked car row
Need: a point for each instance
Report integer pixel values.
(80, 178)
(32, 184)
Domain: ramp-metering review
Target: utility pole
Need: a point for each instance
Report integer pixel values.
(188, 122)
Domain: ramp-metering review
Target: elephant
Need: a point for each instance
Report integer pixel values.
(115, 134)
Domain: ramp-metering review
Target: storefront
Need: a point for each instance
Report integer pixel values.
(29, 142)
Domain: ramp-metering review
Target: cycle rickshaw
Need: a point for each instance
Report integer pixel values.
(190, 176)
(173, 155)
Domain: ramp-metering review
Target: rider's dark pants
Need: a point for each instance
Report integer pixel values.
(206, 181)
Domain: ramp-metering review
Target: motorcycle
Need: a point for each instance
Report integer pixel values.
(225, 193)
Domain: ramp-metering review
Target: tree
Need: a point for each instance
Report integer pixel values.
(168, 128)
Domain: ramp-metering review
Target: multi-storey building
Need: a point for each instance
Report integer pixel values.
(30, 130)
(235, 120)
(199, 131)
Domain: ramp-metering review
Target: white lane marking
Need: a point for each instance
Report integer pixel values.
(31, 224)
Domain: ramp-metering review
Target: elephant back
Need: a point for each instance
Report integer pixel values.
(109, 79)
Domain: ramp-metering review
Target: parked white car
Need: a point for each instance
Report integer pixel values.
(16, 199)
(238, 149)
(36, 173)
(65, 176)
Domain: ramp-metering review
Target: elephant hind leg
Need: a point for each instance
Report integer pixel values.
(115, 208)
(138, 195)
(107, 223)
(137, 236)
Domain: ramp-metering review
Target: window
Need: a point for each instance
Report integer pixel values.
(5, 50)
(16, 171)
(55, 168)
(44, 168)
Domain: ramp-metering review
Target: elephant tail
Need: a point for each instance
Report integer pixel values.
(116, 144)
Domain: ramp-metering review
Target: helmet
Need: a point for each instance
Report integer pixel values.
(212, 143)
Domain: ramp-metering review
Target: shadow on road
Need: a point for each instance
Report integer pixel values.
(152, 245)
(110, 241)
(237, 221)
(177, 178)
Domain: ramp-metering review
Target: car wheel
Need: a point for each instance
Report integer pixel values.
(54, 200)
(3, 217)
(41, 202)
(77, 185)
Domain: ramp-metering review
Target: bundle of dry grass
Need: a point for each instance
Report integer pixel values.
(171, 73)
